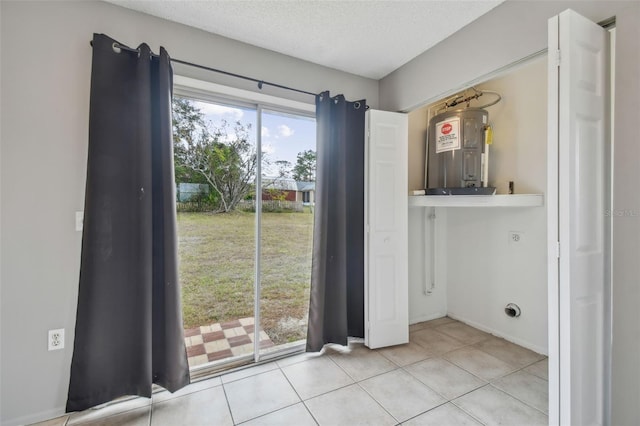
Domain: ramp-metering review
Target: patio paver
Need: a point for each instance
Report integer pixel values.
(222, 340)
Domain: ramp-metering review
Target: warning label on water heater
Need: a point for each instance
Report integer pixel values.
(448, 135)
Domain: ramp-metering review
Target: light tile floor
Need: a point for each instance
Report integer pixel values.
(449, 374)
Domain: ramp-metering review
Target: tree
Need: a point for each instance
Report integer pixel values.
(305, 168)
(187, 120)
(284, 168)
(224, 157)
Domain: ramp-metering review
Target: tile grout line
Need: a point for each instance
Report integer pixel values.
(329, 391)
(465, 411)
(248, 368)
(296, 391)
(375, 375)
(441, 356)
(310, 413)
(446, 400)
(397, 367)
(378, 402)
(355, 382)
(266, 414)
(484, 383)
(518, 399)
(431, 409)
(270, 412)
(481, 378)
(226, 398)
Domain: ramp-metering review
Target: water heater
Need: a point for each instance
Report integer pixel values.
(457, 157)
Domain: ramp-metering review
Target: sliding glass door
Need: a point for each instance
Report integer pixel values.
(243, 272)
(288, 173)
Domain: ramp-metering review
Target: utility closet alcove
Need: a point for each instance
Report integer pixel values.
(471, 257)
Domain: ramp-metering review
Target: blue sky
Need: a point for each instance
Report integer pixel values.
(283, 135)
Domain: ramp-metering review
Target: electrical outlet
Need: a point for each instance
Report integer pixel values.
(515, 237)
(56, 339)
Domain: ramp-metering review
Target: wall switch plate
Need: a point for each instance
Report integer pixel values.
(79, 220)
(56, 339)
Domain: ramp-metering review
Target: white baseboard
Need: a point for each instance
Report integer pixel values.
(117, 406)
(512, 339)
(35, 418)
(429, 317)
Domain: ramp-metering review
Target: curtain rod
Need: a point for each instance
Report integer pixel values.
(191, 64)
(244, 77)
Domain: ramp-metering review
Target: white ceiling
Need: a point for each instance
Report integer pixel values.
(370, 38)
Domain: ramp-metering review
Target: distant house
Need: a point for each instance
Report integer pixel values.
(288, 189)
(306, 192)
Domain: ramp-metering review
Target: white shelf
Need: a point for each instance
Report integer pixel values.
(514, 200)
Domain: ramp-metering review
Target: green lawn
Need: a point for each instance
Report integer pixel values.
(217, 270)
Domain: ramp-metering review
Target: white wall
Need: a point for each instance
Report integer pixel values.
(485, 271)
(519, 122)
(418, 123)
(507, 34)
(46, 64)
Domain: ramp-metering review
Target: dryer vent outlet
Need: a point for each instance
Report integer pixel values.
(512, 310)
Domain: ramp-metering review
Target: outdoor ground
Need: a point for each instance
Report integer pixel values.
(217, 253)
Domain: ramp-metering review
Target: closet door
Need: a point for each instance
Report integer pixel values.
(578, 129)
(386, 233)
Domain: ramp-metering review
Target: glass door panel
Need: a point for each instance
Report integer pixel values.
(215, 163)
(288, 189)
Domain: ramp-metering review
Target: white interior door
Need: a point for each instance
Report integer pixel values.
(578, 96)
(386, 233)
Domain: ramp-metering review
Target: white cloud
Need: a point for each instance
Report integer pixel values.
(285, 131)
(220, 111)
(265, 132)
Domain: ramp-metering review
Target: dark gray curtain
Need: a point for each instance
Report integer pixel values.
(129, 321)
(336, 309)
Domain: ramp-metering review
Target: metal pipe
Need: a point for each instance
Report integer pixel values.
(432, 223)
(456, 100)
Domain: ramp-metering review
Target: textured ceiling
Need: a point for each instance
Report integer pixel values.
(370, 38)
